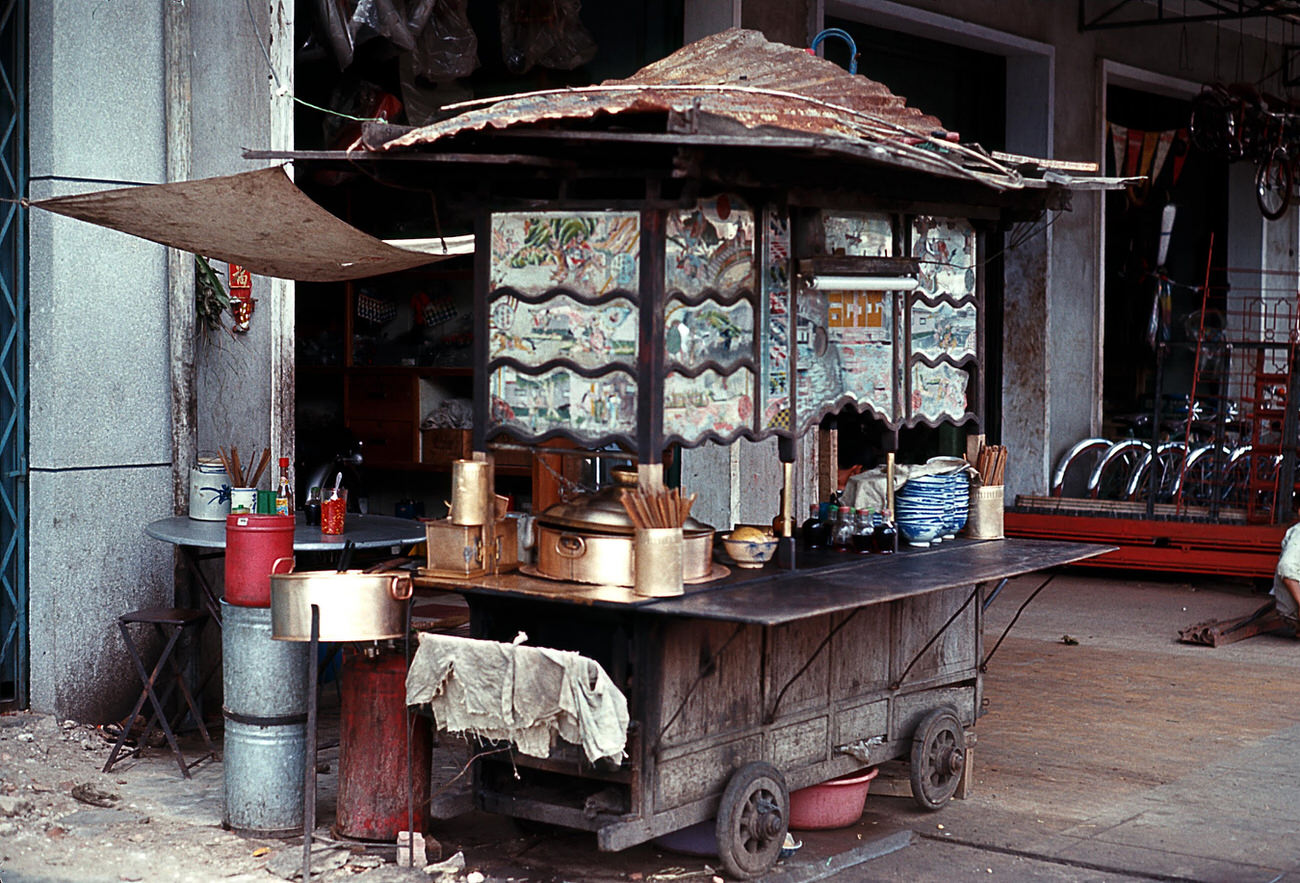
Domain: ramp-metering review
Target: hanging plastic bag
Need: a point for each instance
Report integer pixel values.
(385, 19)
(545, 32)
(334, 18)
(446, 47)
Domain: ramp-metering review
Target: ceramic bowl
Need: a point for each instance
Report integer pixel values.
(750, 553)
(920, 533)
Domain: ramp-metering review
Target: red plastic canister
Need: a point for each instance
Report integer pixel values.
(253, 544)
(372, 802)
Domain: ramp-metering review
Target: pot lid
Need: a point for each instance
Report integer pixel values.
(603, 511)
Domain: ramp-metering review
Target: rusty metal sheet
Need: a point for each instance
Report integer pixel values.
(769, 89)
(259, 220)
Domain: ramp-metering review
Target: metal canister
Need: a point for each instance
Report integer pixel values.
(265, 709)
(657, 561)
(209, 490)
(471, 492)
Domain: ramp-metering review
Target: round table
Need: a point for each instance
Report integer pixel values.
(192, 536)
(365, 532)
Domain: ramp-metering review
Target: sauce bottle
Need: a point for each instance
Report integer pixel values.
(814, 530)
(864, 535)
(842, 530)
(283, 490)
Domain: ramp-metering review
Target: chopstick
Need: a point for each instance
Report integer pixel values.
(656, 509)
(261, 466)
(991, 464)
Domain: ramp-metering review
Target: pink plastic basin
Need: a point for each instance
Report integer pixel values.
(834, 804)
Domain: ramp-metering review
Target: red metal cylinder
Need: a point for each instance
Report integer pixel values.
(373, 780)
(253, 544)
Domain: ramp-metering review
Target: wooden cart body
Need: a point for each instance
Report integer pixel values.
(789, 668)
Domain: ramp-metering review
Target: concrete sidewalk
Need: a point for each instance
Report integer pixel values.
(1124, 756)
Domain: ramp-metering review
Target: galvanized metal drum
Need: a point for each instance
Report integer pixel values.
(265, 710)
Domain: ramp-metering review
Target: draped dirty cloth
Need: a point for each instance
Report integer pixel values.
(259, 220)
(522, 694)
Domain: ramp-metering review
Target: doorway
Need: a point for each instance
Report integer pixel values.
(1148, 351)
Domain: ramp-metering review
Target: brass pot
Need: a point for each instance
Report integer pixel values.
(354, 606)
(590, 539)
(608, 559)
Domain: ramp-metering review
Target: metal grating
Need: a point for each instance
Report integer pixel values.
(13, 356)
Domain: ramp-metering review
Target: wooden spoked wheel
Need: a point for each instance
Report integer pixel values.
(938, 758)
(753, 816)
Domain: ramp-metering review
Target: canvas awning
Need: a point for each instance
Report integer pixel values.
(259, 220)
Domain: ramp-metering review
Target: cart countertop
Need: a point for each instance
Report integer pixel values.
(771, 596)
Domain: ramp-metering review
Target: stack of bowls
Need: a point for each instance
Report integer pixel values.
(920, 509)
(958, 503)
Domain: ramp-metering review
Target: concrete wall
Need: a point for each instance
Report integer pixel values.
(99, 440)
(100, 392)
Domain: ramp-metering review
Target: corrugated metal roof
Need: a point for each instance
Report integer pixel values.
(739, 77)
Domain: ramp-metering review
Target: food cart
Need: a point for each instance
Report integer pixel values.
(647, 288)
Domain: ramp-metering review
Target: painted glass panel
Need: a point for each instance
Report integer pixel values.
(845, 339)
(561, 327)
(696, 406)
(708, 332)
(943, 329)
(859, 235)
(945, 250)
(860, 325)
(819, 374)
(586, 407)
(587, 252)
(774, 344)
(939, 391)
(710, 248)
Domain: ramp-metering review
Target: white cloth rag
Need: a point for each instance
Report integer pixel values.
(517, 693)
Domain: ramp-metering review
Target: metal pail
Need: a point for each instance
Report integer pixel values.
(261, 677)
(265, 711)
(264, 778)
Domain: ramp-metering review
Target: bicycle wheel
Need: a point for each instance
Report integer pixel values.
(1273, 181)
(1200, 481)
(1071, 476)
(1109, 480)
(1167, 462)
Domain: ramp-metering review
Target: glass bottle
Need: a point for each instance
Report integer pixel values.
(813, 532)
(864, 535)
(311, 508)
(283, 490)
(886, 534)
(842, 531)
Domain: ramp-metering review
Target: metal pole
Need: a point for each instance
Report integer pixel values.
(309, 765)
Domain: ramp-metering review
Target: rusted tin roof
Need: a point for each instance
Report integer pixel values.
(736, 78)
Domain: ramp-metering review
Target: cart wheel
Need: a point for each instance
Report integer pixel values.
(752, 820)
(938, 758)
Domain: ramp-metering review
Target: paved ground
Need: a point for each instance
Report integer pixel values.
(1124, 756)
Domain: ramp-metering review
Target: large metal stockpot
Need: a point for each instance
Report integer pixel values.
(354, 605)
(591, 539)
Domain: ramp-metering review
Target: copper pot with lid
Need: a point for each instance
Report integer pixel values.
(590, 539)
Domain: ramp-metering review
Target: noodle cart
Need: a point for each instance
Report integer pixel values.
(697, 255)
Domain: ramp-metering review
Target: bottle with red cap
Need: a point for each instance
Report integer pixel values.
(284, 491)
